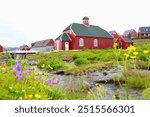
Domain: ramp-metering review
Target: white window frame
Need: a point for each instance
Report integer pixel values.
(95, 42)
(81, 42)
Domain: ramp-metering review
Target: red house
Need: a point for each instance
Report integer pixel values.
(144, 32)
(24, 47)
(114, 34)
(130, 34)
(83, 36)
(123, 42)
(1, 48)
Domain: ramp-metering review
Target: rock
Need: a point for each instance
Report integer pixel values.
(61, 72)
(105, 73)
(95, 74)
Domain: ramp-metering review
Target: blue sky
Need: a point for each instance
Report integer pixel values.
(26, 21)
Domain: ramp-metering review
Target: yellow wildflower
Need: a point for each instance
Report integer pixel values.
(115, 45)
(40, 73)
(114, 97)
(50, 67)
(43, 76)
(89, 93)
(135, 53)
(37, 96)
(126, 55)
(29, 96)
(145, 51)
(131, 48)
(20, 98)
(3, 68)
(96, 84)
(43, 66)
(133, 57)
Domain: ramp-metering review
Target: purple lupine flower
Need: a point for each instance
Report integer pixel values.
(56, 81)
(17, 67)
(26, 72)
(18, 61)
(39, 78)
(19, 76)
(4, 63)
(47, 82)
(4, 71)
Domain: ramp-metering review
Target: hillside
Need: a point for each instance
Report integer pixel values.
(141, 41)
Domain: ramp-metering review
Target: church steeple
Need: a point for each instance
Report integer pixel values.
(86, 21)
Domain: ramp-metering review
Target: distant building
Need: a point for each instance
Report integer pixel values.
(114, 34)
(123, 42)
(130, 34)
(83, 36)
(144, 32)
(24, 47)
(1, 48)
(43, 45)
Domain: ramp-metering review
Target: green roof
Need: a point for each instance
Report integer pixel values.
(88, 31)
(64, 37)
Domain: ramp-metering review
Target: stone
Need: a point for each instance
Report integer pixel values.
(61, 72)
(105, 73)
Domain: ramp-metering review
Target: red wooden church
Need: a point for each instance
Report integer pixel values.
(83, 36)
(1, 49)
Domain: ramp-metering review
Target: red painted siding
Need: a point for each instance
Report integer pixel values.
(115, 35)
(124, 44)
(25, 48)
(51, 43)
(133, 34)
(1, 48)
(88, 43)
(142, 36)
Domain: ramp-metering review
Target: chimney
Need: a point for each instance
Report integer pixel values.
(86, 21)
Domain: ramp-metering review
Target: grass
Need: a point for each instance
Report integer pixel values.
(137, 78)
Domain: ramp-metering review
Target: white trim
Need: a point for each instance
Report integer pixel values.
(69, 37)
(66, 46)
(95, 43)
(72, 30)
(81, 42)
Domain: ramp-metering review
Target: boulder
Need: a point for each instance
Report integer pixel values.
(61, 72)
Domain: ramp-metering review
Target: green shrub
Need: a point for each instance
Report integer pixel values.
(81, 61)
(146, 94)
(56, 94)
(10, 62)
(143, 57)
(56, 64)
(41, 62)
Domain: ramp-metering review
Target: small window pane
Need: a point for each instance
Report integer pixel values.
(95, 43)
(81, 42)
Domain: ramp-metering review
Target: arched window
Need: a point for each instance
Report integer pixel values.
(95, 43)
(81, 42)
